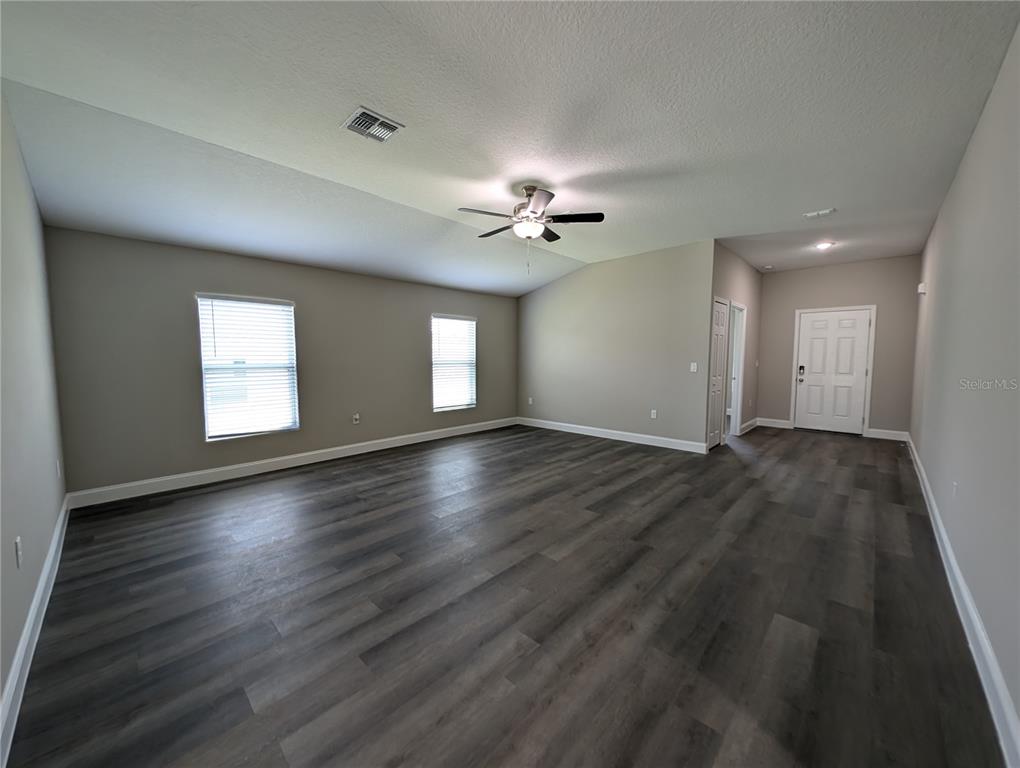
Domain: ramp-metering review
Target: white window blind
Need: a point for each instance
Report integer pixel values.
(453, 363)
(249, 365)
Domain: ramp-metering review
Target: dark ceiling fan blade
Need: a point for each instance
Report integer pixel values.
(576, 218)
(539, 201)
(549, 236)
(497, 231)
(484, 213)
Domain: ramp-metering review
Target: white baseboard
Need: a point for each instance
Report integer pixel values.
(747, 426)
(887, 434)
(615, 434)
(1004, 712)
(881, 434)
(777, 423)
(107, 493)
(14, 688)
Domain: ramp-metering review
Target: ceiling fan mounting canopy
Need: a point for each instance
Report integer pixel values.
(529, 218)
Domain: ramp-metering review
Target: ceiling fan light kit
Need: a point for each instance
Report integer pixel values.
(529, 229)
(529, 219)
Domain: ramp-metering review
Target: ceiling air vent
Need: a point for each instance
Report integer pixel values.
(372, 124)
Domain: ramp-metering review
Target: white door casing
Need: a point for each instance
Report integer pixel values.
(737, 339)
(831, 369)
(717, 371)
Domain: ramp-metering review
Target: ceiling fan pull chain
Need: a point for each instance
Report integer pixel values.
(529, 256)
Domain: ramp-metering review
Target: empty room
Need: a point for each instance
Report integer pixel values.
(459, 384)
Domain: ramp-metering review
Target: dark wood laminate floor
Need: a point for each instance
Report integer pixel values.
(518, 597)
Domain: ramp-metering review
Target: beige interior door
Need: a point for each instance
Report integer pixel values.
(831, 374)
(717, 372)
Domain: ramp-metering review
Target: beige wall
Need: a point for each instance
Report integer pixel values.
(969, 328)
(890, 284)
(125, 331)
(736, 280)
(31, 492)
(603, 346)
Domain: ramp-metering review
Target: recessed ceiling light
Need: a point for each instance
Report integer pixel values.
(767, 266)
(824, 245)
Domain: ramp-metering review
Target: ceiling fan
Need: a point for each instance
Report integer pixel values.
(529, 219)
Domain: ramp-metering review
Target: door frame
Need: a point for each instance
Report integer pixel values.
(869, 371)
(736, 417)
(726, 352)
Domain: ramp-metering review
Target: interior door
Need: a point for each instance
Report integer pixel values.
(717, 372)
(831, 374)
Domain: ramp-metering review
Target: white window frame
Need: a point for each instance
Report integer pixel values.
(202, 366)
(432, 362)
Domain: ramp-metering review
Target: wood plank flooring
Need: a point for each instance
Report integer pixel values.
(518, 597)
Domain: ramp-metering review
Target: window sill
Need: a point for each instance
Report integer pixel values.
(221, 438)
(455, 408)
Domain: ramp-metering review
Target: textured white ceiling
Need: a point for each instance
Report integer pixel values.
(95, 170)
(682, 121)
(896, 236)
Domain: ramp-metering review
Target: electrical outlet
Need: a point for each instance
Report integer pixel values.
(654, 414)
(531, 401)
(17, 551)
(694, 367)
(356, 418)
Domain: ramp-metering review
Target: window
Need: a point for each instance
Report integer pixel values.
(249, 365)
(453, 362)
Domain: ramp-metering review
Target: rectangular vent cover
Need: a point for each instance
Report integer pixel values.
(371, 124)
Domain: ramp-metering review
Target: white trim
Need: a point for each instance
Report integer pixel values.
(18, 674)
(887, 434)
(103, 494)
(107, 493)
(243, 299)
(444, 316)
(872, 326)
(1004, 712)
(726, 352)
(776, 423)
(615, 434)
(737, 407)
(747, 426)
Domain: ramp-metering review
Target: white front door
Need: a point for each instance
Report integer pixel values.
(831, 370)
(717, 372)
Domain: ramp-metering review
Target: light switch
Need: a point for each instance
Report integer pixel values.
(694, 367)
